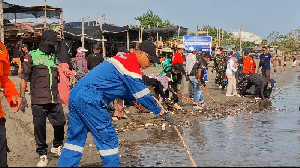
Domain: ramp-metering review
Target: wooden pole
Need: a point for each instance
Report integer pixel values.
(197, 31)
(128, 39)
(217, 43)
(203, 88)
(88, 20)
(241, 41)
(141, 34)
(45, 16)
(1, 22)
(187, 99)
(102, 40)
(157, 32)
(219, 36)
(222, 37)
(178, 33)
(82, 33)
(62, 23)
(103, 18)
(207, 32)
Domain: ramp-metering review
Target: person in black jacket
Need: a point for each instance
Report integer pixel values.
(40, 69)
(157, 86)
(263, 86)
(95, 58)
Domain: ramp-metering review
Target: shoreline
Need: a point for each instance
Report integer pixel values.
(133, 131)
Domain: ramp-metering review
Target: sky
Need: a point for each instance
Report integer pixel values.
(260, 17)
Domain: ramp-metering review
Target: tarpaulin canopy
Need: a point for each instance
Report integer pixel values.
(92, 32)
(12, 11)
(167, 30)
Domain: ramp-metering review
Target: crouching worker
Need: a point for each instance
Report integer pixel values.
(118, 77)
(263, 86)
(12, 96)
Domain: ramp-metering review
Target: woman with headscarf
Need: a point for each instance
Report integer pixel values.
(80, 64)
(64, 74)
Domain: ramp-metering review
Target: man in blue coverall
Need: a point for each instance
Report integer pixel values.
(118, 77)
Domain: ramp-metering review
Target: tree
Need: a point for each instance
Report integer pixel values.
(151, 20)
(290, 42)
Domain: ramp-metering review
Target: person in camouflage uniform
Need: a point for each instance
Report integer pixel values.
(220, 62)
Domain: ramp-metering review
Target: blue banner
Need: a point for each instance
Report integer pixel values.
(202, 43)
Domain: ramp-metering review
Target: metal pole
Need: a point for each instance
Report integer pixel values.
(1, 22)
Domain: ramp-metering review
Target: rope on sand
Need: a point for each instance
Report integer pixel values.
(181, 138)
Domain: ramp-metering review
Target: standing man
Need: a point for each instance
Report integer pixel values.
(24, 49)
(264, 62)
(12, 96)
(190, 62)
(197, 78)
(40, 70)
(118, 77)
(16, 55)
(95, 58)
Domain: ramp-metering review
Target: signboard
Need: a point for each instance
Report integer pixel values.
(202, 43)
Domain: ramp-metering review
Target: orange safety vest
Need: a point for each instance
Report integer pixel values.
(248, 64)
(5, 83)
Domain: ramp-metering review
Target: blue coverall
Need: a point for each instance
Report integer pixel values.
(118, 77)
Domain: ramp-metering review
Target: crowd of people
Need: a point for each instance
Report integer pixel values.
(101, 83)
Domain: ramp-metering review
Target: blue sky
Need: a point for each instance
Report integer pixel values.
(260, 17)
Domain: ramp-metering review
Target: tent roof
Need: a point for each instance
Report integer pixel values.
(92, 32)
(163, 30)
(23, 12)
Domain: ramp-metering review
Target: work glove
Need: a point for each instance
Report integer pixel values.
(24, 104)
(169, 118)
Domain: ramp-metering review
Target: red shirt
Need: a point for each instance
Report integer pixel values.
(177, 58)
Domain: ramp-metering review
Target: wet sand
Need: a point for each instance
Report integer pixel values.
(134, 130)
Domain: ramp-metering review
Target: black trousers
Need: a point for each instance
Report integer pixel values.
(3, 144)
(56, 117)
(175, 97)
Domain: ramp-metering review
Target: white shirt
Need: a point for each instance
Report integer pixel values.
(231, 68)
(190, 61)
